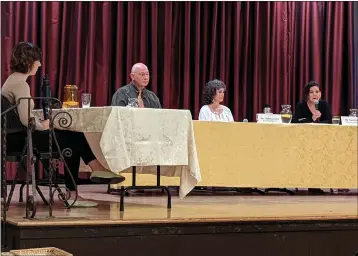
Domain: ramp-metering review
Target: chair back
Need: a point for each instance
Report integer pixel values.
(13, 123)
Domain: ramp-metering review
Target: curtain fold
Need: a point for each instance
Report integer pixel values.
(355, 27)
(265, 52)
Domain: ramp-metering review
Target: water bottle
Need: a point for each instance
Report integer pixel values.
(267, 109)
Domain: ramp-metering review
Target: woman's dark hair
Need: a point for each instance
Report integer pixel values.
(210, 89)
(308, 88)
(23, 57)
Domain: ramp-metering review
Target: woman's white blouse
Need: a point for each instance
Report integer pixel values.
(207, 115)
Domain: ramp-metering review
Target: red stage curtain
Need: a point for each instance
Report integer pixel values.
(264, 51)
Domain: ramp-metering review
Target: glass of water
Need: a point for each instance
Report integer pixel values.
(86, 100)
(336, 120)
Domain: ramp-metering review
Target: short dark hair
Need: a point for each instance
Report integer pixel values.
(210, 89)
(308, 87)
(23, 57)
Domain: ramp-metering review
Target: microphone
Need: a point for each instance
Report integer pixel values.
(316, 102)
(46, 92)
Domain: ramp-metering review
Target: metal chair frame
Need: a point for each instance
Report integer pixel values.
(32, 155)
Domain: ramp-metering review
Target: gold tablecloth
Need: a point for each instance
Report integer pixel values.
(268, 155)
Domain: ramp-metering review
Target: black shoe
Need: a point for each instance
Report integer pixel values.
(316, 191)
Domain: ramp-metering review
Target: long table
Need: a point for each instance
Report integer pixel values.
(269, 155)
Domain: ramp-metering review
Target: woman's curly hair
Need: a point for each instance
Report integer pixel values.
(23, 57)
(308, 88)
(210, 89)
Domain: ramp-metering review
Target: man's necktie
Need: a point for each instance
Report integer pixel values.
(140, 101)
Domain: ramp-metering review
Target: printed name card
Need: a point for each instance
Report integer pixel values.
(269, 118)
(349, 120)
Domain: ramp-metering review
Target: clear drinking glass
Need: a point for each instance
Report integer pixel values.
(336, 120)
(133, 103)
(267, 109)
(86, 100)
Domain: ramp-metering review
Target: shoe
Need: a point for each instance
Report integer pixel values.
(83, 204)
(316, 191)
(343, 190)
(106, 177)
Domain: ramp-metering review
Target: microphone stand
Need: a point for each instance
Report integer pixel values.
(46, 93)
(30, 199)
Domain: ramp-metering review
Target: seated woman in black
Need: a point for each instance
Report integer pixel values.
(312, 109)
(308, 111)
(25, 61)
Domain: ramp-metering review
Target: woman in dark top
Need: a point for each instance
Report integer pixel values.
(312, 109)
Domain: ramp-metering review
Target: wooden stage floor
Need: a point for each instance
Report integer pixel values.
(199, 207)
(201, 224)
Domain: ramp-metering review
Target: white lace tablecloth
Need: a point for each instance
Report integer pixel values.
(122, 137)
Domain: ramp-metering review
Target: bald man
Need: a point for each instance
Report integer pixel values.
(137, 89)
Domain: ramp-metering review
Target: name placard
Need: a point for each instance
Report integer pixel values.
(349, 120)
(269, 118)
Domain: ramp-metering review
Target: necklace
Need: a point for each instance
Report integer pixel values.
(217, 111)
